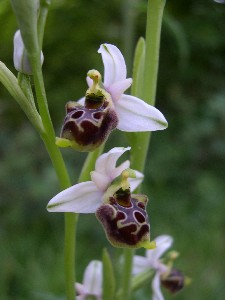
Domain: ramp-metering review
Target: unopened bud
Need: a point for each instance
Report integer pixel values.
(20, 58)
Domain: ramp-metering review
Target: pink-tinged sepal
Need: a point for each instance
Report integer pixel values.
(125, 220)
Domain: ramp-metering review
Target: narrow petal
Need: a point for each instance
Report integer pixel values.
(81, 198)
(163, 243)
(93, 278)
(136, 115)
(117, 171)
(157, 294)
(105, 168)
(114, 64)
(135, 182)
(100, 180)
(118, 88)
(106, 163)
(140, 264)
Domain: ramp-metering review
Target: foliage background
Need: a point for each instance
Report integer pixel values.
(185, 171)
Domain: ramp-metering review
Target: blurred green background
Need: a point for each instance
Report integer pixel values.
(186, 164)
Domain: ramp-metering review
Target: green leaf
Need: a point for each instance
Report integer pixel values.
(137, 91)
(10, 82)
(138, 69)
(108, 277)
(26, 12)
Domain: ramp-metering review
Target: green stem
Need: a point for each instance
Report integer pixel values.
(32, 33)
(129, 16)
(59, 165)
(153, 33)
(71, 220)
(57, 161)
(137, 281)
(24, 83)
(141, 279)
(41, 96)
(43, 12)
(139, 153)
(127, 271)
(49, 134)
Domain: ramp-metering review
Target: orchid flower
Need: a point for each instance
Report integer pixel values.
(105, 107)
(122, 214)
(92, 282)
(133, 113)
(152, 261)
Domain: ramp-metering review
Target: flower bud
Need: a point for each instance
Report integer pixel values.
(20, 58)
(174, 281)
(87, 126)
(125, 220)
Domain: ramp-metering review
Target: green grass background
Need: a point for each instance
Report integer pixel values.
(185, 173)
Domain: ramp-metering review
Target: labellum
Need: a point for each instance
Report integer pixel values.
(88, 126)
(174, 281)
(125, 220)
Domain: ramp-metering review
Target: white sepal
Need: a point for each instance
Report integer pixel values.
(118, 88)
(157, 294)
(135, 182)
(106, 163)
(136, 115)
(92, 282)
(163, 243)
(93, 278)
(140, 264)
(114, 64)
(81, 198)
